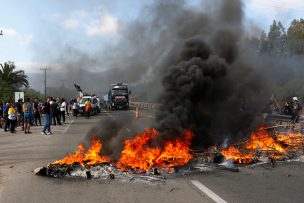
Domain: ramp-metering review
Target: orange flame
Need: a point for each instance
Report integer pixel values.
(176, 153)
(138, 153)
(261, 140)
(291, 140)
(238, 157)
(90, 157)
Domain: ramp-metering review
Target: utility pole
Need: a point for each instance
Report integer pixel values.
(45, 69)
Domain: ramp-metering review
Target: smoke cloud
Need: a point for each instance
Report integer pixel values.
(195, 61)
(210, 88)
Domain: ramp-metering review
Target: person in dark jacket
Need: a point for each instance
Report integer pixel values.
(296, 110)
(5, 114)
(37, 116)
(1, 114)
(55, 112)
(47, 117)
(20, 113)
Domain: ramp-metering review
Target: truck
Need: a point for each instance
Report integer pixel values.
(118, 97)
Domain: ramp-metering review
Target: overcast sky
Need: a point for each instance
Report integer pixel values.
(33, 25)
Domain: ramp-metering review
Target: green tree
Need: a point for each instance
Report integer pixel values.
(263, 45)
(295, 35)
(277, 39)
(6, 92)
(32, 94)
(14, 78)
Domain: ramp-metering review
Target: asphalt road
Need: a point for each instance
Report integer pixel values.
(20, 154)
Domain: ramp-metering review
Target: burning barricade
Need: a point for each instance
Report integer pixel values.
(137, 157)
(263, 144)
(141, 160)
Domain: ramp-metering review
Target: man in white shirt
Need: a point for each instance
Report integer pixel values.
(63, 109)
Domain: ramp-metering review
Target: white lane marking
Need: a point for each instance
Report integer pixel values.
(207, 191)
(65, 130)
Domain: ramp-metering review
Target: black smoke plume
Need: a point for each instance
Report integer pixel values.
(195, 60)
(210, 89)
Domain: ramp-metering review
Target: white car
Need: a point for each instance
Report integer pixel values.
(94, 104)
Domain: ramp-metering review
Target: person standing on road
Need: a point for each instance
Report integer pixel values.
(63, 109)
(47, 117)
(27, 109)
(75, 109)
(1, 114)
(59, 104)
(5, 114)
(88, 107)
(20, 114)
(55, 112)
(67, 108)
(51, 113)
(296, 110)
(12, 118)
(37, 116)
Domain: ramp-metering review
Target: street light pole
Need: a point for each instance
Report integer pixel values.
(45, 69)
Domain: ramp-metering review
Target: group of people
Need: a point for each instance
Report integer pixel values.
(292, 108)
(23, 114)
(26, 114)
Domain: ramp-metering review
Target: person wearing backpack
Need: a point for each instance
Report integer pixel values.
(27, 111)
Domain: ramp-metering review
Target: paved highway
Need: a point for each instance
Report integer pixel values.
(20, 154)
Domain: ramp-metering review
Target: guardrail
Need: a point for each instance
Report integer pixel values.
(278, 117)
(145, 105)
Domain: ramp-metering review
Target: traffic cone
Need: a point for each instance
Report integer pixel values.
(137, 113)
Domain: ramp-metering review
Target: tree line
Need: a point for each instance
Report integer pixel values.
(278, 41)
(11, 80)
